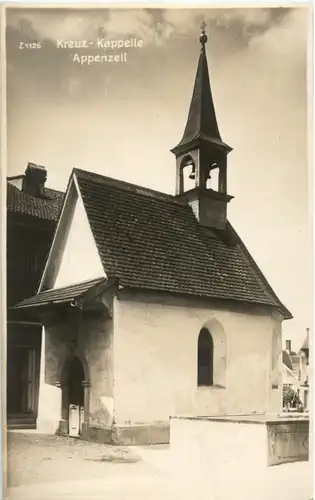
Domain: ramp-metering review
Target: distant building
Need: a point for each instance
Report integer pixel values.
(304, 388)
(32, 213)
(296, 370)
(289, 378)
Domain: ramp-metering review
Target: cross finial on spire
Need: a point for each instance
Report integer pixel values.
(203, 37)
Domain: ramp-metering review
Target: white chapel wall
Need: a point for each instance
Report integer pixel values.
(55, 349)
(276, 379)
(155, 363)
(96, 342)
(80, 260)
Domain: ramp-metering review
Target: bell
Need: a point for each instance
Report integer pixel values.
(192, 174)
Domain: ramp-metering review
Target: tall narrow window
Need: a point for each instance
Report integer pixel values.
(205, 358)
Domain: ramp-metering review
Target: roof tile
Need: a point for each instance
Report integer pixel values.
(47, 208)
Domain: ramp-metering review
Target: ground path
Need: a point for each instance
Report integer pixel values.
(35, 458)
(43, 467)
(46, 467)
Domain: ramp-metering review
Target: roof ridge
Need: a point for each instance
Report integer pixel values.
(128, 186)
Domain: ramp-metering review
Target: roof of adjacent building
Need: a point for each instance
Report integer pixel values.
(47, 207)
(286, 359)
(150, 240)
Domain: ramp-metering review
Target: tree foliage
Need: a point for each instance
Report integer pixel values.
(291, 398)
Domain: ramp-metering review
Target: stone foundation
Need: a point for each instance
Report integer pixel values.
(140, 435)
(133, 435)
(96, 434)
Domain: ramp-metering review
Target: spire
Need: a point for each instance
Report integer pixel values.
(202, 152)
(305, 346)
(201, 122)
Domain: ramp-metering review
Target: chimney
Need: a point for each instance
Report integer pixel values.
(34, 180)
(288, 346)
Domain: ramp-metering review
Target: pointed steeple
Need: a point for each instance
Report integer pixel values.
(305, 347)
(201, 122)
(202, 150)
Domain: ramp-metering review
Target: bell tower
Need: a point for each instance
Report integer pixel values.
(202, 152)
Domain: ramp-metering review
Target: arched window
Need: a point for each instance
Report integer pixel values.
(205, 358)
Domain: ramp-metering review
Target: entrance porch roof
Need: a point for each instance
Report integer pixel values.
(78, 293)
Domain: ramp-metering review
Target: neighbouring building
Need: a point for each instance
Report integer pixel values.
(151, 304)
(296, 370)
(289, 378)
(32, 213)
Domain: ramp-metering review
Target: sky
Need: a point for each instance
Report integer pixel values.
(121, 119)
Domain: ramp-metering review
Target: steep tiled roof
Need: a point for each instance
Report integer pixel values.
(47, 208)
(150, 240)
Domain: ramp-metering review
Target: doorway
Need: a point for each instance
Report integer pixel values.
(23, 373)
(76, 377)
(73, 395)
(21, 380)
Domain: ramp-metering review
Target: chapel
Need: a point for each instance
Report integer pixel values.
(151, 305)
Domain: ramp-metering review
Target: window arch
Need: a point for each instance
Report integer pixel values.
(205, 358)
(187, 173)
